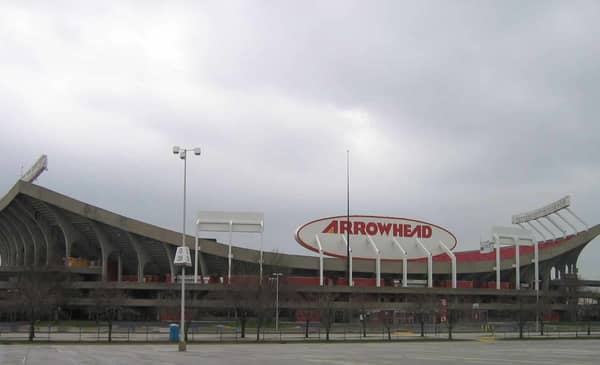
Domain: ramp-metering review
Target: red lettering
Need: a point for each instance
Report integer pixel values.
(371, 228)
(426, 231)
(384, 228)
(407, 232)
(345, 226)
(359, 228)
(416, 231)
(397, 230)
(331, 227)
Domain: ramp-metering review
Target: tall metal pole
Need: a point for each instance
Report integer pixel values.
(182, 345)
(277, 303)
(348, 217)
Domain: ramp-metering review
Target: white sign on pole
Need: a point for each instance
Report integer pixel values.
(249, 222)
(183, 257)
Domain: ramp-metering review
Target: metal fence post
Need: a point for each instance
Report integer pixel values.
(79, 333)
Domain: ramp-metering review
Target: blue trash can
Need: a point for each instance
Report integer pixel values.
(174, 332)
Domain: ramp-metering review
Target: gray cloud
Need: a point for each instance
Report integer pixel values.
(461, 114)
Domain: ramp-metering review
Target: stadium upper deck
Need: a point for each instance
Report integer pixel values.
(42, 227)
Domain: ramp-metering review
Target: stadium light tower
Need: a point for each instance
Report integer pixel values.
(182, 152)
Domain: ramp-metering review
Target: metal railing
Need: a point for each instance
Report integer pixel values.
(231, 332)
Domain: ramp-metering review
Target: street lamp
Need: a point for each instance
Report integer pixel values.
(276, 276)
(182, 152)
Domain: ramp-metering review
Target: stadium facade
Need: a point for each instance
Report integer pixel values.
(41, 228)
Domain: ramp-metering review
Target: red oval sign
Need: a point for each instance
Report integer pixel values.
(391, 238)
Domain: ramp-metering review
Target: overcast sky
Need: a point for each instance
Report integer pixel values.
(457, 113)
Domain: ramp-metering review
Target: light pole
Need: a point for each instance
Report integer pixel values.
(276, 276)
(182, 152)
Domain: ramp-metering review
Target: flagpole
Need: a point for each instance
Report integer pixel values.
(348, 217)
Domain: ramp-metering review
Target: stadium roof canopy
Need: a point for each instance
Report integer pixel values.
(41, 227)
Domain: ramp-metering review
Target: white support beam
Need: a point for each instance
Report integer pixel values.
(579, 219)
(404, 262)
(261, 258)
(517, 263)
(546, 228)
(229, 254)
(536, 264)
(543, 236)
(567, 222)
(377, 261)
(453, 260)
(351, 280)
(196, 248)
(553, 222)
(429, 263)
(320, 259)
(536, 257)
(497, 247)
(247, 222)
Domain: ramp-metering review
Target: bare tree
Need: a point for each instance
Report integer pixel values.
(452, 316)
(587, 312)
(525, 313)
(325, 303)
(108, 302)
(387, 318)
(360, 302)
(239, 298)
(424, 306)
(39, 292)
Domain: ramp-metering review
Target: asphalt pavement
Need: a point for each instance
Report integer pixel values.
(547, 352)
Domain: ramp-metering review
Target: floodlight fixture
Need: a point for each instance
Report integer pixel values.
(176, 150)
(197, 151)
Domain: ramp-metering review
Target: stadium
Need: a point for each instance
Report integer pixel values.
(394, 262)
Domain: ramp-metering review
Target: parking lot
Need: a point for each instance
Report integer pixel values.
(547, 352)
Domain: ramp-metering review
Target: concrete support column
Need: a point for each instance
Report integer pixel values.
(17, 240)
(43, 228)
(143, 257)
(10, 252)
(69, 232)
(169, 252)
(106, 247)
(30, 234)
(119, 269)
